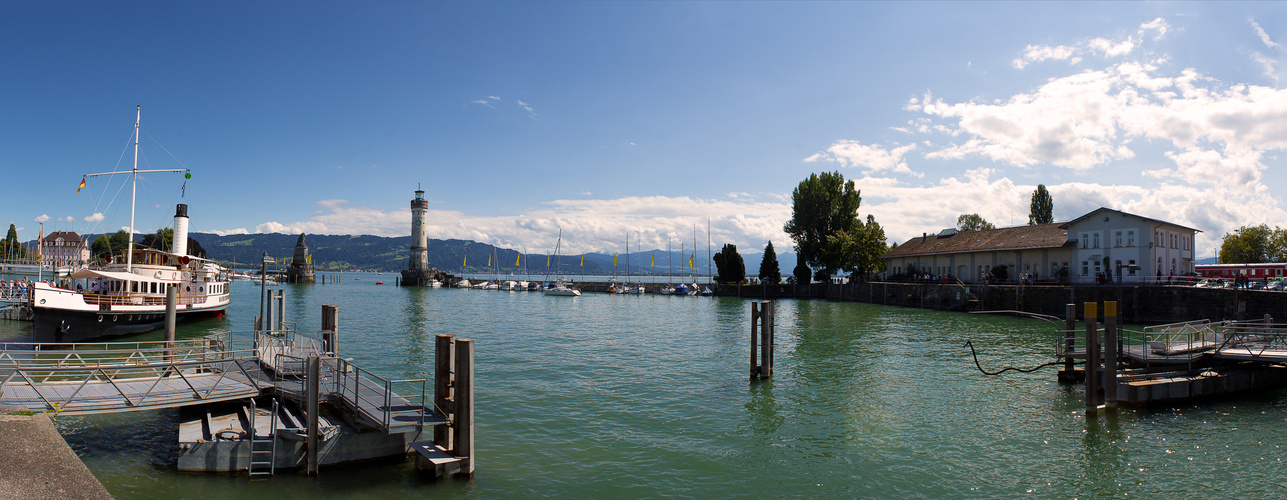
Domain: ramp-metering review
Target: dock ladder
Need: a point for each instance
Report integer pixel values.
(263, 449)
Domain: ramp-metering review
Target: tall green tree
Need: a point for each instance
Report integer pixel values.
(972, 222)
(871, 249)
(1246, 245)
(770, 271)
(1042, 209)
(12, 248)
(729, 266)
(821, 206)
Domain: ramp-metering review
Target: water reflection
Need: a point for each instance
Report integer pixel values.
(762, 413)
(1103, 457)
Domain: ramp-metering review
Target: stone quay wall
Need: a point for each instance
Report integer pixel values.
(1137, 304)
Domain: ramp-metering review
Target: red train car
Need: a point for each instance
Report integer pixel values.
(1228, 271)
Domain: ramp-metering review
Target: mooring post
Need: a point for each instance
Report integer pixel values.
(766, 339)
(267, 323)
(755, 339)
(330, 329)
(463, 424)
(1092, 358)
(171, 317)
(444, 351)
(281, 311)
(1110, 355)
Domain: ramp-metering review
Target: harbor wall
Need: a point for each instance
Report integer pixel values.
(1137, 304)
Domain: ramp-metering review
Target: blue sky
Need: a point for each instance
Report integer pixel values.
(647, 118)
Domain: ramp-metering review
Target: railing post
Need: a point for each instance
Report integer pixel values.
(171, 312)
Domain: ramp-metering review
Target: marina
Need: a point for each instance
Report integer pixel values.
(865, 401)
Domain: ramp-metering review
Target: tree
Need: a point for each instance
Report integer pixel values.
(108, 245)
(12, 248)
(871, 249)
(821, 206)
(770, 272)
(801, 273)
(729, 266)
(164, 240)
(1247, 244)
(1042, 209)
(972, 222)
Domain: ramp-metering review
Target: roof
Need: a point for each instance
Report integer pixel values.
(1106, 209)
(65, 235)
(993, 240)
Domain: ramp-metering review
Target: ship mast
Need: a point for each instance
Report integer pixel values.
(134, 176)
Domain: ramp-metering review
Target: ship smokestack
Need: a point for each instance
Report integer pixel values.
(181, 229)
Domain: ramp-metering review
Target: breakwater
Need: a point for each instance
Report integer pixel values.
(1138, 304)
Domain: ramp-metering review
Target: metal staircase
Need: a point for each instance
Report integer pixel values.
(263, 449)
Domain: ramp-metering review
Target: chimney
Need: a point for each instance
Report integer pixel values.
(180, 230)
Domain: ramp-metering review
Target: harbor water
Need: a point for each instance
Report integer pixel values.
(618, 396)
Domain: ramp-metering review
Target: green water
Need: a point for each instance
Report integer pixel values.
(605, 396)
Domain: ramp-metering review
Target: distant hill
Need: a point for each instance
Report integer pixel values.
(385, 254)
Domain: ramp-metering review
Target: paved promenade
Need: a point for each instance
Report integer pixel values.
(35, 461)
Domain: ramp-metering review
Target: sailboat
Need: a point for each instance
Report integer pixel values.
(124, 298)
(559, 288)
(680, 289)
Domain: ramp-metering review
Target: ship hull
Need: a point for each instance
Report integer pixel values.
(58, 326)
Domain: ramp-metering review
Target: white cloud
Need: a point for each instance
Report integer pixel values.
(42, 218)
(68, 218)
(1158, 26)
(1038, 53)
(1264, 37)
(97, 217)
(874, 158)
(1110, 48)
(526, 107)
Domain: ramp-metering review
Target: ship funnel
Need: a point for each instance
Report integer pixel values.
(181, 229)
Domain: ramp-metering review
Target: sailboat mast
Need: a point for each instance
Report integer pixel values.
(708, 250)
(134, 189)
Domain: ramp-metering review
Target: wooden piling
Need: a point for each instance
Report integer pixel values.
(767, 311)
(1110, 355)
(755, 340)
(312, 378)
(463, 421)
(444, 351)
(267, 321)
(1092, 358)
(330, 329)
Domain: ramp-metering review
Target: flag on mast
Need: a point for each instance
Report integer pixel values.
(489, 261)
(183, 190)
(82, 184)
(614, 260)
(516, 259)
(654, 259)
(690, 259)
(582, 260)
(465, 263)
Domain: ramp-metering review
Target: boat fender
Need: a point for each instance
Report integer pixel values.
(157, 275)
(63, 327)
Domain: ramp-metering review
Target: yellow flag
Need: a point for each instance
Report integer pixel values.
(547, 260)
(614, 260)
(516, 259)
(690, 259)
(489, 261)
(583, 260)
(654, 259)
(465, 263)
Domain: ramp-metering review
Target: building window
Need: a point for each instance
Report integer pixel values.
(1096, 236)
(1085, 268)
(1085, 240)
(1117, 239)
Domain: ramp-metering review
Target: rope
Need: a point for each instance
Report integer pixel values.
(1008, 368)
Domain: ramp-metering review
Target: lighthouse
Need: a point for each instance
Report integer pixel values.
(418, 272)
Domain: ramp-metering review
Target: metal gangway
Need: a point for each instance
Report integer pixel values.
(1193, 342)
(108, 377)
